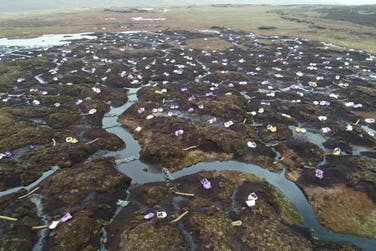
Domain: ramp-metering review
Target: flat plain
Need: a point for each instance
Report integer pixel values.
(332, 24)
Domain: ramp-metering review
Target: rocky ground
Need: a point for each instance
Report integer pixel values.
(273, 101)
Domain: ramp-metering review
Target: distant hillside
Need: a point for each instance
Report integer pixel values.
(25, 5)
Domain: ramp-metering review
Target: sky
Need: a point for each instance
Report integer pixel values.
(24, 5)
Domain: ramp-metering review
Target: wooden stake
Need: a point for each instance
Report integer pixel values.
(93, 141)
(8, 218)
(185, 194)
(237, 223)
(189, 148)
(53, 142)
(39, 227)
(29, 193)
(286, 157)
(180, 217)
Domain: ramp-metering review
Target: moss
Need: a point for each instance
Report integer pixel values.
(228, 189)
(232, 178)
(6, 66)
(164, 151)
(26, 112)
(9, 178)
(8, 124)
(62, 120)
(38, 62)
(77, 233)
(28, 177)
(191, 159)
(45, 156)
(264, 160)
(77, 183)
(18, 235)
(230, 75)
(90, 248)
(270, 225)
(212, 142)
(147, 94)
(211, 43)
(106, 140)
(74, 63)
(368, 91)
(283, 133)
(217, 232)
(16, 244)
(275, 167)
(67, 102)
(8, 74)
(149, 236)
(11, 70)
(239, 146)
(337, 209)
(157, 195)
(224, 108)
(263, 233)
(195, 157)
(78, 90)
(286, 211)
(227, 141)
(26, 136)
(249, 131)
(117, 54)
(29, 221)
(228, 181)
(80, 153)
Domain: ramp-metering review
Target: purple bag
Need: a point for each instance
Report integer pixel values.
(149, 216)
(66, 217)
(8, 154)
(319, 174)
(206, 183)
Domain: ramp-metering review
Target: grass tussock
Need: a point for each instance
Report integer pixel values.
(344, 210)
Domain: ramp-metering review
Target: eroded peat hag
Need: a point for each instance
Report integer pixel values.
(278, 102)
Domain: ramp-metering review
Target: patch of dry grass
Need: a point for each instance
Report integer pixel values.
(344, 209)
(246, 17)
(211, 43)
(340, 32)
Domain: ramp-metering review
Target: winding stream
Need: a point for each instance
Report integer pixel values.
(134, 170)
